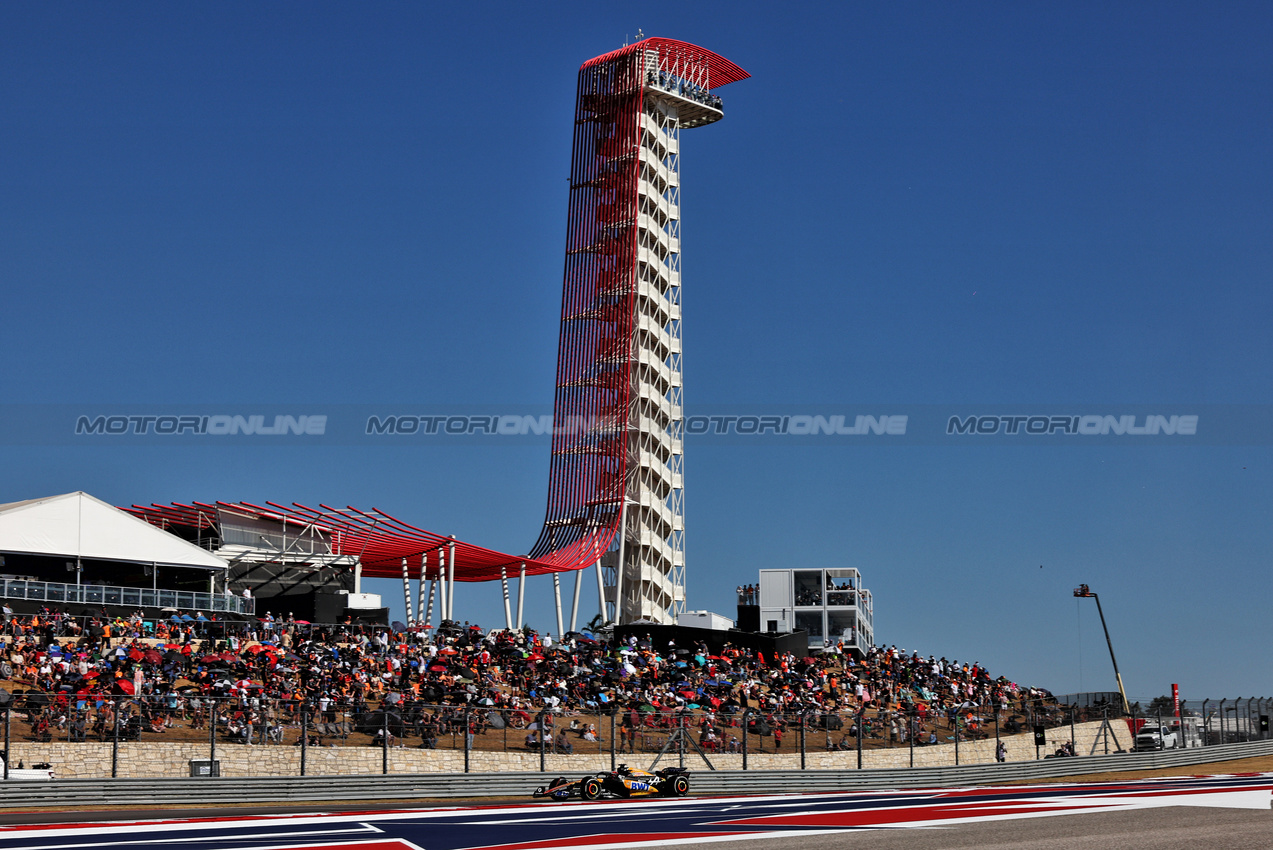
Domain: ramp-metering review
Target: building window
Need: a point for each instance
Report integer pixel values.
(808, 587)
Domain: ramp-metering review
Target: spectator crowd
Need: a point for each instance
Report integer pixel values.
(101, 676)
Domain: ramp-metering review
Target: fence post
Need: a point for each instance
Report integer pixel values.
(861, 717)
(212, 732)
(613, 728)
(912, 724)
(682, 721)
(1074, 744)
(115, 742)
(384, 740)
(1206, 724)
(746, 720)
(804, 717)
(8, 716)
(542, 751)
(304, 737)
(1222, 702)
(468, 738)
(956, 737)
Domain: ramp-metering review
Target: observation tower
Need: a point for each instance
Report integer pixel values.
(616, 483)
(616, 488)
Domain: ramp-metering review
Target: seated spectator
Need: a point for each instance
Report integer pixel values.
(428, 733)
(78, 727)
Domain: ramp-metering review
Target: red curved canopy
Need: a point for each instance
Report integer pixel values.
(379, 540)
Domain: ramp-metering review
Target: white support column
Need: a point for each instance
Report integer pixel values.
(508, 613)
(357, 577)
(442, 584)
(406, 589)
(601, 594)
(521, 596)
(433, 590)
(619, 569)
(574, 604)
(419, 605)
(450, 598)
(557, 599)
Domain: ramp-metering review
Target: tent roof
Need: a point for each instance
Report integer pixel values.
(77, 525)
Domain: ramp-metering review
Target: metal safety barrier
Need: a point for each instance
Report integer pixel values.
(76, 793)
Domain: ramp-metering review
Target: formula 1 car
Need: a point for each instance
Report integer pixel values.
(623, 782)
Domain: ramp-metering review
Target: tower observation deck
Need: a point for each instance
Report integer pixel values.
(616, 483)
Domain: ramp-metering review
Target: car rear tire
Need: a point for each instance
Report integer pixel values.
(680, 786)
(591, 789)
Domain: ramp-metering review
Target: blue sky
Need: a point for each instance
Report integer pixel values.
(1063, 207)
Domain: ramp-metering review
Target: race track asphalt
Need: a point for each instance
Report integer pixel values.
(1175, 828)
(1202, 811)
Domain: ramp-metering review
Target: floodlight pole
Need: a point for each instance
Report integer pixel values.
(1082, 591)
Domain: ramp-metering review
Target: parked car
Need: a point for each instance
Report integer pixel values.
(1156, 738)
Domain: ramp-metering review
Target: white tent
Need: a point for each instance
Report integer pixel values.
(76, 525)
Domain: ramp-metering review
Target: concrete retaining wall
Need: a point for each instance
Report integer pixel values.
(92, 760)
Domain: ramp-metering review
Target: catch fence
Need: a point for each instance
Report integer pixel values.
(736, 735)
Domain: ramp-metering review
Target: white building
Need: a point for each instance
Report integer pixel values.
(831, 605)
(78, 553)
(705, 620)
